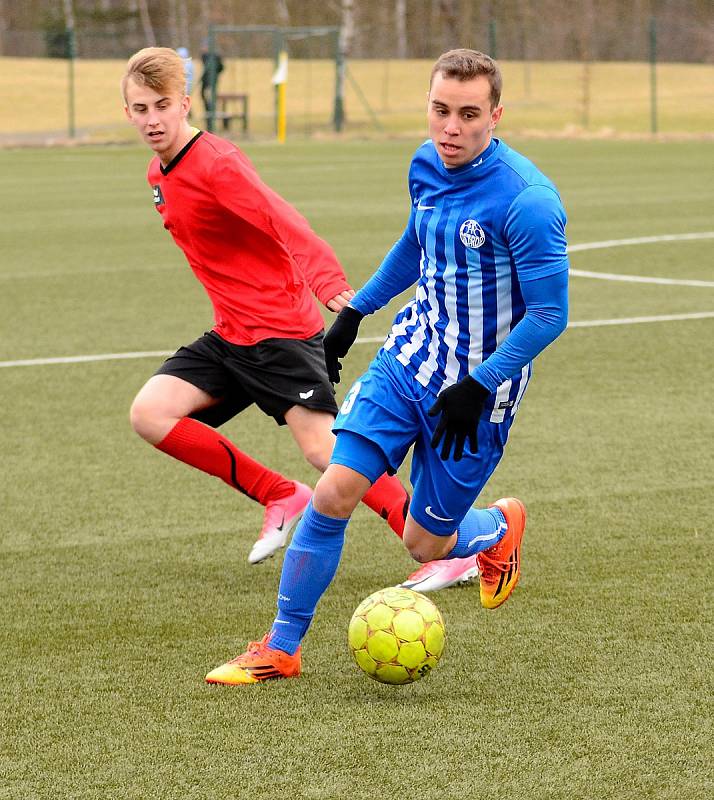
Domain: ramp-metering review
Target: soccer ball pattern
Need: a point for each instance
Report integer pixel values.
(396, 635)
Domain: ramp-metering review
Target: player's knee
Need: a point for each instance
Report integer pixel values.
(423, 549)
(334, 500)
(317, 456)
(419, 553)
(145, 421)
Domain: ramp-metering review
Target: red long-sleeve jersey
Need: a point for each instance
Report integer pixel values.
(256, 256)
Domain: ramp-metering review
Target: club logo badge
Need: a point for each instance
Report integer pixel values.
(471, 234)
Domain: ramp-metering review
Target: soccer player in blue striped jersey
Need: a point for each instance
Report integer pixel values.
(485, 245)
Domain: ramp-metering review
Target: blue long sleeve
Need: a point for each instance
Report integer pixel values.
(546, 318)
(397, 272)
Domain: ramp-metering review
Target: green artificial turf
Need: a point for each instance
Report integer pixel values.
(124, 573)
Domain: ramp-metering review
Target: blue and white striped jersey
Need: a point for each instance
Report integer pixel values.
(475, 235)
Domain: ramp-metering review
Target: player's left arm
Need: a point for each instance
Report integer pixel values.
(312, 254)
(535, 232)
(398, 271)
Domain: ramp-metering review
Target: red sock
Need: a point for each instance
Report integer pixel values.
(203, 447)
(388, 498)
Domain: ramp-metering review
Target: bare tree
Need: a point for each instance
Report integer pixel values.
(182, 23)
(3, 25)
(133, 10)
(400, 24)
(149, 34)
(282, 13)
(105, 6)
(584, 31)
(451, 28)
(518, 29)
(204, 14)
(173, 22)
(68, 9)
(347, 26)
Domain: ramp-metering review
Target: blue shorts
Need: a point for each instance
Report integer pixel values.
(383, 415)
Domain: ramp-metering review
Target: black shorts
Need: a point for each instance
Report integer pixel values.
(275, 374)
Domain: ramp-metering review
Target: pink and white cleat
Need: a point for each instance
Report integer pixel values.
(281, 518)
(435, 575)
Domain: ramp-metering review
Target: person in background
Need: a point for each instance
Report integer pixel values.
(188, 71)
(187, 68)
(212, 68)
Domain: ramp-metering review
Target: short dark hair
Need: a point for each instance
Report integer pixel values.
(464, 65)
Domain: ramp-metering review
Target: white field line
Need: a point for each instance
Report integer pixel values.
(595, 323)
(609, 276)
(598, 323)
(589, 323)
(668, 237)
(42, 362)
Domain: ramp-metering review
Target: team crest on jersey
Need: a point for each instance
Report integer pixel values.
(158, 197)
(471, 234)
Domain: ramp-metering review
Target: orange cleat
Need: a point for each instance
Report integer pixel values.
(258, 663)
(500, 565)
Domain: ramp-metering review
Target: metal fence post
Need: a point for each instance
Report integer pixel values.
(492, 38)
(210, 74)
(71, 51)
(653, 74)
(338, 116)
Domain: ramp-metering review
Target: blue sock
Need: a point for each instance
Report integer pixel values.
(480, 529)
(310, 565)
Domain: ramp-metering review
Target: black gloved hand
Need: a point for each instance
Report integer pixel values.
(339, 339)
(460, 406)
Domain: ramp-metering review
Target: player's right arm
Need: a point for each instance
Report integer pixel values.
(397, 272)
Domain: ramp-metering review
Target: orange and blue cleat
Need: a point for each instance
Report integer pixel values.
(258, 663)
(500, 565)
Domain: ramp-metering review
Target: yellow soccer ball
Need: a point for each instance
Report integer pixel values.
(396, 635)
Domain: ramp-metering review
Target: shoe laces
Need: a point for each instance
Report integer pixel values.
(252, 649)
(256, 647)
(489, 566)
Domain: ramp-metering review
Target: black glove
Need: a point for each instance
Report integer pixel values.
(460, 406)
(339, 339)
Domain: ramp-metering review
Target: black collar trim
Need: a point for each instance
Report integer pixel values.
(175, 160)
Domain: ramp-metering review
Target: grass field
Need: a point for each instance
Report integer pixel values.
(595, 98)
(124, 574)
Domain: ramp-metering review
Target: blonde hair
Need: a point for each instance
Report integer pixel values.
(159, 68)
(465, 65)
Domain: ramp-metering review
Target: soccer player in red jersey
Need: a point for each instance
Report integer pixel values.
(260, 263)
